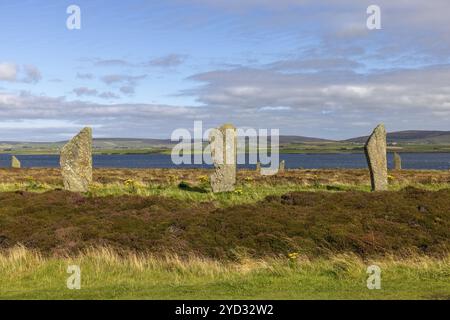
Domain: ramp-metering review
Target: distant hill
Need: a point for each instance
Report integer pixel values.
(98, 143)
(300, 139)
(151, 143)
(413, 140)
(136, 143)
(130, 143)
(412, 136)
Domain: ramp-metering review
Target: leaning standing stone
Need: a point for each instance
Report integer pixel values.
(223, 143)
(375, 150)
(15, 163)
(397, 161)
(76, 162)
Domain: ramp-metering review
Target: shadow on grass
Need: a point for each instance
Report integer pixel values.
(186, 187)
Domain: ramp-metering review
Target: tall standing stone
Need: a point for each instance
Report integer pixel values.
(281, 166)
(397, 161)
(76, 162)
(15, 163)
(223, 142)
(375, 150)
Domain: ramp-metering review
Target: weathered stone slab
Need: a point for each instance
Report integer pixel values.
(282, 166)
(223, 142)
(397, 161)
(375, 150)
(76, 162)
(15, 163)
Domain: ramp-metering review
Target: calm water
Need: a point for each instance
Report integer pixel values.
(439, 161)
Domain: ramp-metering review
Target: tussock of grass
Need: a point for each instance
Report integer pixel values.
(32, 186)
(246, 192)
(192, 186)
(109, 274)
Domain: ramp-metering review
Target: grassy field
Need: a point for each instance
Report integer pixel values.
(192, 185)
(136, 147)
(161, 233)
(107, 275)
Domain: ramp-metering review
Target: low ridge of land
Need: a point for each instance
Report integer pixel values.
(402, 141)
(412, 136)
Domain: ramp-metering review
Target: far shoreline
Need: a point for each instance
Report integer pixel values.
(445, 149)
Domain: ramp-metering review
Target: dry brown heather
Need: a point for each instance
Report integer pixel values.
(319, 176)
(311, 223)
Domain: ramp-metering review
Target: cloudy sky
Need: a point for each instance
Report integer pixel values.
(144, 68)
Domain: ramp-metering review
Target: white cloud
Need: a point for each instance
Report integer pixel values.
(278, 108)
(84, 91)
(335, 100)
(8, 71)
(32, 74)
(171, 60)
(85, 76)
(121, 78)
(128, 90)
(37, 124)
(128, 83)
(322, 86)
(112, 63)
(108, 95)
(14, 73)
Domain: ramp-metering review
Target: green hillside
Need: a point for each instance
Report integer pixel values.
(402, 141)
(412, 137)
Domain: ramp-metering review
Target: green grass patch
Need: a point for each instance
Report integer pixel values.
(105, 274)
(246, 193)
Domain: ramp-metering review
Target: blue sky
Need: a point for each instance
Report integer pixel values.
(145, 68)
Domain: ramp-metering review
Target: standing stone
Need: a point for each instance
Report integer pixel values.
(397, 161)
(375, 150)
(15, 163)
(76, 162)
(223, 142)
(258, 166)
(282, 166)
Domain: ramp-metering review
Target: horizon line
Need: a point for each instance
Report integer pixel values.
(286, 135)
